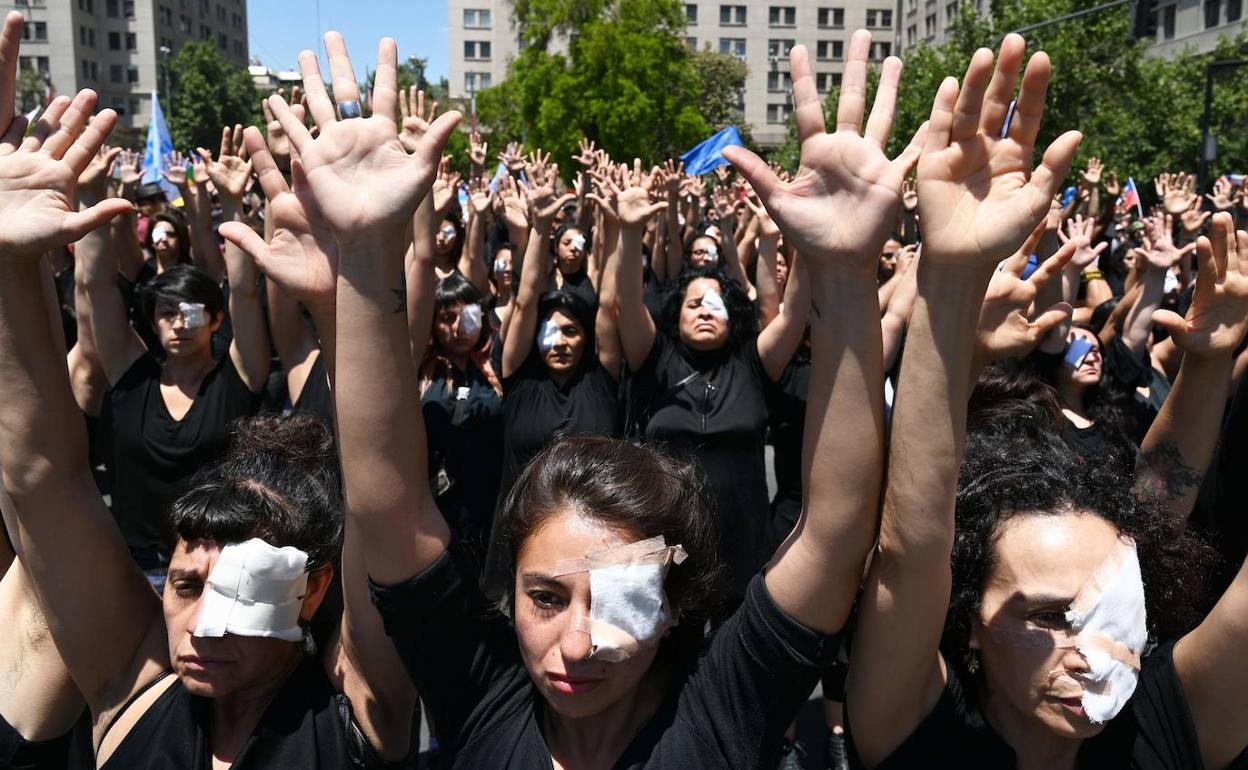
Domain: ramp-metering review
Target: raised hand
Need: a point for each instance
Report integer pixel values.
(544, 202)
(1005, 329)
(978, 195)
(1177, 192)
(230, 172)
(477, 152)
(480, 198)
(909, 195)
(767, 227)
(511, 158)
(1159, 250)
(512, 205)
(1079, 233)
(587, 157)
(39, 174)
(1193, 219)
(1112, 186)
(1225, 195)
(301, 257)
(1218, 317)
(131, 168)
(93, 181)
(633, 203)
(445, 188)
(840, 206)
(1091, 176)
(175, 173)
(416, 120)
(278, 143)
(363, 180)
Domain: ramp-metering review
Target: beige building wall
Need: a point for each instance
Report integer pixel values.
(114, 46)
(760, 33)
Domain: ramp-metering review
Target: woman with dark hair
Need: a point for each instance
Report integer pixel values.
(592, 523)
(1059, 575)
(569, 248)
(258, 535)
(169, 241)
(702, 383)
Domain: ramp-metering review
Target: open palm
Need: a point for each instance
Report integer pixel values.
(1218, 317)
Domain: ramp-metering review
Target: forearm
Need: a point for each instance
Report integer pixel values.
(1139, 322)
(732, 260)
(766, 281)
(204, 245)
(472, 262)
(675, 253)
(1095, 292)
(636, 328)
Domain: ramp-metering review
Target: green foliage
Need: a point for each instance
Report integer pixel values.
(721, 78)
(208, 93)
(30, 90)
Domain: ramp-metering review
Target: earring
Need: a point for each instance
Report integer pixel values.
(971, 660)
(308, 645)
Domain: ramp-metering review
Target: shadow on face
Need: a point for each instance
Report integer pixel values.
(701, 328)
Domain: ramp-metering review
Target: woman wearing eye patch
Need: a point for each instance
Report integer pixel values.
(570, 248)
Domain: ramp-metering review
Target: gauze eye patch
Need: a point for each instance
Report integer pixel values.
(1076, 351)
(578, 242)
(627, 606)
(548, 337)
(161, 234)
(255, 589)
(470, 319)
(715, 304)
(193, 314)
(712, 253)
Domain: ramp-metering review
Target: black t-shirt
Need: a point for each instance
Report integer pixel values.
(316, 398)
(786, 405)
(578, 284)
(719, 419)
(1153, 732)
(154, 456)
(464, 431)
(306, 725)
(20, 754)
(728, 707)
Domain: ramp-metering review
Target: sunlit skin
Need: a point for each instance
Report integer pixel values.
(569, 258)
(179, 341)
(700, 252)
(701, 329)
(565, 355)
(888, 258)
(1041, 563)
(220, 667)
(782, 271)
(451, 336)
(557, 656)
(444, 241)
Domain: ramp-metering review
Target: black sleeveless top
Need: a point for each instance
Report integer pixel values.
(307, 725)
(20, 754)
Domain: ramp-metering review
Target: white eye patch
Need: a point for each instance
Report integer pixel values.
(715, 304)
(193, 314)
(255, 589)
(548, 337)
(160, 234)
(578, 242)
(470, 319)
(448, 231)
(501, 265)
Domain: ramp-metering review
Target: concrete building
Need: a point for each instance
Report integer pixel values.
(268, 80)
(483, 40)
(1181, 24)
(119, 47)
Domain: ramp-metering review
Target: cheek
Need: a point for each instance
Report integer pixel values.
(1022, 671)
(537, 637)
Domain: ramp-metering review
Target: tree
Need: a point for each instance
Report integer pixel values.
(31, 90)
(208, 93)
(721, 81)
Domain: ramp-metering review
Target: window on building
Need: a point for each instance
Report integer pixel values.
(185, 25)
(112, 8)
(478, 50)
(127, 8)
(732, 45)
(879, 17)
(912, 6)
(691, 13)
(1234, 10)
(134, 104)
(477, 18)
(132, 41)
(1213, 13)
(475, 81)
(777, 49)
(691, 43)
(826, 81)
(831, 18)
(221, 13)
(43, 64)
(35, 30)
(115, 73)
(779, 81)
(929, 26)
(881, 51)
(119, 106)
(166, 15)
(205, 32)
(830, 50)
(132, 73)
(86, 69)
(951, 12)
(236, 21)
(778, 113)
(114, 41)
(223, 42)
(782, 16)
(732, 15)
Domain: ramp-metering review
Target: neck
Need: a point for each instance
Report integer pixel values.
(235, 716)
(1035, 746)
(459, 360)
(189, 369)
(589, 743)
(1072, 396)
(165, 260)
(560, 378)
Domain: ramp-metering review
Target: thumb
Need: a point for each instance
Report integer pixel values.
(246, 239)
(754, 169)
(434, 141)
(1051, 318)
(80, 223)
(1172, 322)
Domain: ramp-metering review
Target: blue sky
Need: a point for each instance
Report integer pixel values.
(280, 29)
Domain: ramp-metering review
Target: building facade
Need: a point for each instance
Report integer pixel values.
(483, 40)
(119, 47)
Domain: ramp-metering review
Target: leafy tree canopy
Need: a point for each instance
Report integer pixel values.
(208, 93)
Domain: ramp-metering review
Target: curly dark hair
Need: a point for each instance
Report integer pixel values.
(742, 320)
(278, 481)
(1017, 465)
(637, 490)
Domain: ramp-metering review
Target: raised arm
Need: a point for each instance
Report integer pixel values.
(632, 206)
(782, 336)
(766, 282)
(729, 255)
(816, 572)
(981, 199)
(101, 611)
(1159, 255)
(1180, 443)
(472, 261)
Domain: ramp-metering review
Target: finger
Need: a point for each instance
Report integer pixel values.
(341, 75)
(1001, 88)
(755, 170)
(940, 125)
(1055, 165)
(1172, 322)
(1223, 240)
(271, 179)
(12, 138)
(90, 140)
(80, 223)
(905, 162)
(316, 97)
(853, 98)
(434, 141)
(242, 236)
(268, 113)
(236, 141)
(47, 123)
(1051, 319)
(1030, 109)
(10, 42)
(966, 113)
(880, 123)
(386, 83)
(1016, 263)
(71, 124)
(1206, 266)
(1052, 266)
(292, 123)
(655, 208)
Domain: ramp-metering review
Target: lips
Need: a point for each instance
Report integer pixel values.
(572, 685)
(1073, 705)
(197, 665)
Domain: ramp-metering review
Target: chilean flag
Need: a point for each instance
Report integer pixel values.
(1131, 197)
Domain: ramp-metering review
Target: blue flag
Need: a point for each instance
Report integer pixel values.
(708, 156)
(159, 146)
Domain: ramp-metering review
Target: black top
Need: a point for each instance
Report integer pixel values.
(787, 408)
(1219, 509)
(726, 707)
(316, 398)
(578, 284)
(307, 725)
(1153, 732)
(154, 455)
(716, 414)
(20, 754)
(464, 431)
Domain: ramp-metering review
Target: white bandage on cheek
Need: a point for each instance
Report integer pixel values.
(628, 607)
(549, 336)
(715, 304)
(470, 319)
(193, 314)
(578, 242)
(255, 589)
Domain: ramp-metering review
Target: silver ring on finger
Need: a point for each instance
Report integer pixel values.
(348, 108)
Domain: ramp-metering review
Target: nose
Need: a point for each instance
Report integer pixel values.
(575, 644)
(1073, 661)
(192, 617)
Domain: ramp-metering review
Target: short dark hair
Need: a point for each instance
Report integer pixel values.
(182, 283)
(742, 321)
(278, 481)
(572, 305)
(638, 490)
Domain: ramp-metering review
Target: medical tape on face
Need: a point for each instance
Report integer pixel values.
(470, 320)
(193, 315)
(549, 336)
(255, 589)
(161, 233)
(712, 253)
(447, 231)
(501, 266)
(1077, 351)
(715, 303)
(578, 242)
(628, 607)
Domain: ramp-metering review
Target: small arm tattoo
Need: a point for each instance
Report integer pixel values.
(1162, 473)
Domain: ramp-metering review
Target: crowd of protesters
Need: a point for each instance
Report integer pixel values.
(340, 440)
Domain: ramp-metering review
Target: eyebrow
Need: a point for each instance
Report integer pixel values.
(175, 574)
(539, 577)
(1041, 599)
